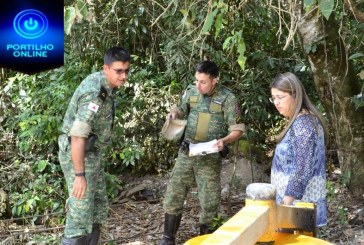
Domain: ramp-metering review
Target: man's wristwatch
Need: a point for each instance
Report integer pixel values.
(80, 174)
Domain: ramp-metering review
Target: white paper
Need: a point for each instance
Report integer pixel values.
(201, 149)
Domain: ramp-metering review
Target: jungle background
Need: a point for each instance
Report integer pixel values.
(321, 41)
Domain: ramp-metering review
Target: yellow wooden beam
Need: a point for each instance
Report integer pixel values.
(268, 233)
(245, 227)
(257, 222)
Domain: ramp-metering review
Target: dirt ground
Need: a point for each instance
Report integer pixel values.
(137, 216)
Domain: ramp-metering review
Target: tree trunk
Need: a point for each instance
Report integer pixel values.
(336, 84)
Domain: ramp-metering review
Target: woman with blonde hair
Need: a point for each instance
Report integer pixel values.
(298, 167)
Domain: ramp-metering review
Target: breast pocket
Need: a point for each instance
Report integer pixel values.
(215, 107)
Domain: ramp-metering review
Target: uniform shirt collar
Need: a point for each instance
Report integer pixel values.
(106, 84)
(216, 88)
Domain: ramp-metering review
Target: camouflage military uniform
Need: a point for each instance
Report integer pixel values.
(94, 106)
(209, 117)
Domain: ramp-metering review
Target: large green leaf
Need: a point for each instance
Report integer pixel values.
(307, 3)
(208, 23)
(218, 24)
(241, 51)
(227, 42)
(69, 19)
(42, 164)
(82, 8)
(326, 7)
(241, 61)
(356, 55)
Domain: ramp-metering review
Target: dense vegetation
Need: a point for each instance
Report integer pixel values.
(166, 38)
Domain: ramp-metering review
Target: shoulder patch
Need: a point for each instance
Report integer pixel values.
(102, 94)
(93, 107)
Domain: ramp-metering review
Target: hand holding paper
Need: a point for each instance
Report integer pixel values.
(201, 149)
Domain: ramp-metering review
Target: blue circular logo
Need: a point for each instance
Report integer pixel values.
(30, 24)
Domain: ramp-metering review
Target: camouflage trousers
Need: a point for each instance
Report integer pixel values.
(205, 172)
(93, 208)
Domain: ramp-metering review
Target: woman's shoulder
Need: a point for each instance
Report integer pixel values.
(305, 117)
(304, 123)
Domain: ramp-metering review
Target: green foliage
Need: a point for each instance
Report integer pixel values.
(254, 97)
(326, 7)
(359, 100)
(342, 213)
(129, 154)
(41, 110)
(255, 153)
(345, 178)
(38, 190)
(218, 221)
(236, 41)
(209, 20)
(48, 239)
(73, 14)
(308, 2)
(356, 55)
(354, 40)
(137, 142)
(113, 185)
(69, 17)
(331, 191)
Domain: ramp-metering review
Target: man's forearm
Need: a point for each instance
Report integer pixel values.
(234, 135)
(78, 153)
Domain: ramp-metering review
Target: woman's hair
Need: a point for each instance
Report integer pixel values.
(289, 83)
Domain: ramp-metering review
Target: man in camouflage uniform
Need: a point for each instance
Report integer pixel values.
(86, 131)
(212, 112)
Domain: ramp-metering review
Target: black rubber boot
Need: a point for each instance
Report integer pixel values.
(93, 238)
(205, 229)
(81, 240)
(171, 224)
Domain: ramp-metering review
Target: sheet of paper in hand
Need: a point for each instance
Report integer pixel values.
(201, 149)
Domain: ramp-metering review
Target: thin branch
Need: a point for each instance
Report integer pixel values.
(242, 4)
(279, 11)
(160, 16)
(209, 9)
(160, 5)
(293, 27)
(358, 15)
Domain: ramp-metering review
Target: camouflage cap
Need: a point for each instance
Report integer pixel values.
(173, 129)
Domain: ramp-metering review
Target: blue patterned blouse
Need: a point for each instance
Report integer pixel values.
(298, 167)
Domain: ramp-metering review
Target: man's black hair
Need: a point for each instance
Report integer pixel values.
(208, 67)
(116, 54)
